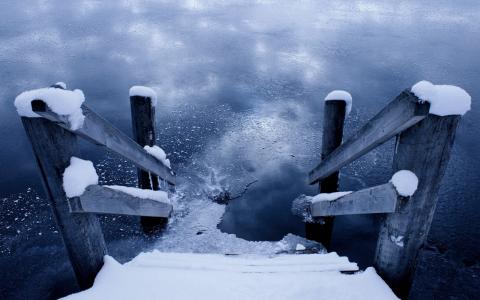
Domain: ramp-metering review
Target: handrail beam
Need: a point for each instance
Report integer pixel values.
(403, 112)
(103, 200)
(378, 199)
(101, 132)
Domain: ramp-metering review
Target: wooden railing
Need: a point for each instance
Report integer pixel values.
(101, 132)
(400, 114)
(54, 143)
(378, 199)
(423, 144)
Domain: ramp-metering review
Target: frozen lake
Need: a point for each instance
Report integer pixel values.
(240, 90)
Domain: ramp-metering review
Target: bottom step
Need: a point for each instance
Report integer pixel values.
(159, 275)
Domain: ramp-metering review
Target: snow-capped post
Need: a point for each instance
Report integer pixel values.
(337, 106)
(53, 147)
(424, 149)
(142, 105)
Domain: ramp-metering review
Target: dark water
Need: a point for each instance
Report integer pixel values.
(240, 92)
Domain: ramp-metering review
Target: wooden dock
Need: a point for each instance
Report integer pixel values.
(423, 145)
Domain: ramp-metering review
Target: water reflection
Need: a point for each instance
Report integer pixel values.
(240, 88)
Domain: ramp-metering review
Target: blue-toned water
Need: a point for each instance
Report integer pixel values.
(240, 88)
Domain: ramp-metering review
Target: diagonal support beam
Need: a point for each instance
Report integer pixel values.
(103, 133)
(378, 199)
(400, 114)
(102, 200)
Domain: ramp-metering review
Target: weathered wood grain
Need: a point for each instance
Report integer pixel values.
(103, 133)
(374, 200)
(53, 147)
(398, 115)
(103, 200)
(333, 122)
(423, 149)
(144, 133)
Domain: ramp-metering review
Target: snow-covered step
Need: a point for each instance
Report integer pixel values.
(246, 264)
(158, 275)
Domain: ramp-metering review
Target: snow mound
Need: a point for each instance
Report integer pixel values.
(159, 154)
(159, 196)
(62, 84)
(300, 247)
(63, 102)
(341, 95)
(328, 196)
(193, 227)
(77, 176)
(143, 91)
(213, 276)
(246, 263)
(444, 99)
(405, 182)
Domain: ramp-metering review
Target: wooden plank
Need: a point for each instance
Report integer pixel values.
(144, 133)
(374, 200)
(103, 200)
(333, 122)
(398, 115)
(423, 149)
(103, 133)
(53, 147)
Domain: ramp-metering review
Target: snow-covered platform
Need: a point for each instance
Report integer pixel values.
(159, 275)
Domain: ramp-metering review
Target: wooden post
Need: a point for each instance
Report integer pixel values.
(53, 147)
(333, 121)
(143, 124)
(423, 149)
